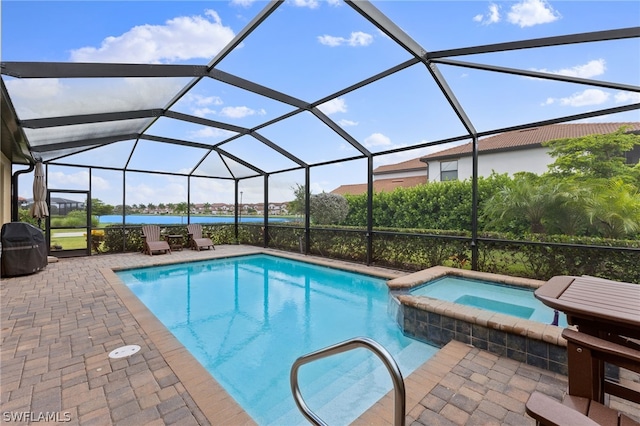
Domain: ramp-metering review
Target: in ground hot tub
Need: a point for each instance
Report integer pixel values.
(436, 306)
(494, 296)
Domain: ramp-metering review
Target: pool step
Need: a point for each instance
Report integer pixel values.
(344, 395)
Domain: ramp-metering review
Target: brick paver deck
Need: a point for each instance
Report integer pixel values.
(59, 325)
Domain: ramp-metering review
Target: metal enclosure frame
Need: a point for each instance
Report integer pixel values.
(429, 59)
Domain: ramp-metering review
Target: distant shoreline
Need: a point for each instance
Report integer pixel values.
(143, 219)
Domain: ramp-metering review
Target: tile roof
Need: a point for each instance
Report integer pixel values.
(530, 138)
(413, 164)
(381, 185)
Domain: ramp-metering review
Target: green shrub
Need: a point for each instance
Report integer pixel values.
(73, 219)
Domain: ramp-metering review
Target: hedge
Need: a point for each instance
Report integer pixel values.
(537, 256)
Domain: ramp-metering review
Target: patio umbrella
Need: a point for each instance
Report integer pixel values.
(39, 207)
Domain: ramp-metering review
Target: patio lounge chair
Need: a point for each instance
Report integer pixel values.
(196, 240)
(153, 241)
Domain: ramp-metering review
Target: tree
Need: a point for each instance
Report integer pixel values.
(595, 156)
(99, 208)
(180, 208)
(327, 208)
(526, 197)
(118, 209)
(614, 208)
(297, 206)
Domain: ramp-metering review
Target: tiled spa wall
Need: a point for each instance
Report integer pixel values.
(438, 322)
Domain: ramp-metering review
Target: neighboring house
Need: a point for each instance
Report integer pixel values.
(510, 152)
(389, 177)
(381, 185)
(278, 208)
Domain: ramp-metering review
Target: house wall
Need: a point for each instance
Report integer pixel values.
(533, 160)
(5, 189)
(401, 174)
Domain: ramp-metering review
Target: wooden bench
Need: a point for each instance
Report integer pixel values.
(587, 384)
(586, 356)
(574, 411)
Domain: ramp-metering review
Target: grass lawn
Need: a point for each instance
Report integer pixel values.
(68, 242)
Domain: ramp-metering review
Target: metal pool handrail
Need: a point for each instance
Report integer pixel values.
(356, 342)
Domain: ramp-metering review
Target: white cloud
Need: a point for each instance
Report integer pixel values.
(156, 193)
(179, 39)
(35, 88)
(203, 112)
(532, 12)
(199, 104)
(210, 132)
(347, 123)
(240, 112)
(585, 98)
(377, 139)
(53, 98)
(58, 179)
(242, 3)
(588, 70)
(491, 17)
(311, 4)
(332, 41)
(333, 106)
(627, 97)
(357, 39)
(100, 183)
(204, 100)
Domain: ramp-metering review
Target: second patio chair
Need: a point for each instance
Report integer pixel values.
(153, 241)
(196, 240)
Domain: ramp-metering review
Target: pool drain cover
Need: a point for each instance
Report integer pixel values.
(124, 351)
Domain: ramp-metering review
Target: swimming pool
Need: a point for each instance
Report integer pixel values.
(246, 319)
(510, 300)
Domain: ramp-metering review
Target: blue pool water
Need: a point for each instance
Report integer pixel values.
(490, 296)
(246, 319)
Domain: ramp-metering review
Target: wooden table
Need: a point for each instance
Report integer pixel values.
(174, 241)
(607, 314)
(599, 307)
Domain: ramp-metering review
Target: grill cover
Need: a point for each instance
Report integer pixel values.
(24, 250)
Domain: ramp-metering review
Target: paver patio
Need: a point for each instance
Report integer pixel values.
(59, 325)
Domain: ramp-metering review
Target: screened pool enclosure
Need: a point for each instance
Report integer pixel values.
(265, 113)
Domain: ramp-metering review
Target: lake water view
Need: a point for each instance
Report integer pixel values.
(141, 219)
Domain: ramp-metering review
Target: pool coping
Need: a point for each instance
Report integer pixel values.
(213, 400)
(417, 278)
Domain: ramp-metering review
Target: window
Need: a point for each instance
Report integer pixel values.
(448, 170)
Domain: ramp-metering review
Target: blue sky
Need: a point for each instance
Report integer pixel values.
(307, 49)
